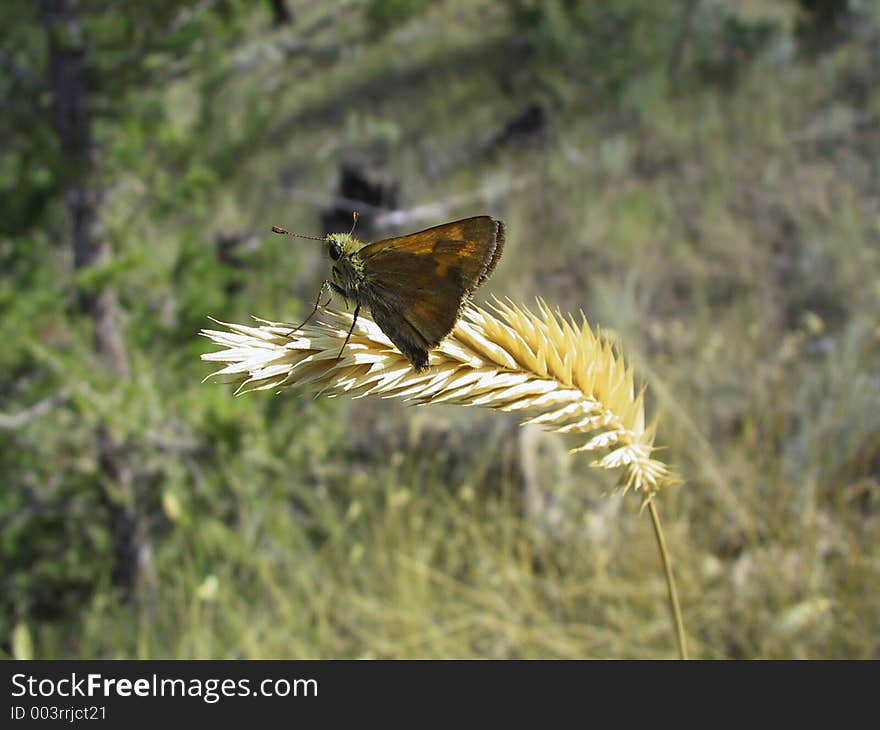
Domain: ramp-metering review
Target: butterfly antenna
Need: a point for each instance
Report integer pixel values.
(354, 221)
(285, 232)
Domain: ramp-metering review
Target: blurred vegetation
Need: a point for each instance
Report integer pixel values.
(699, 177)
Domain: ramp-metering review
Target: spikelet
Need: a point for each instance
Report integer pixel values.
(556, 372)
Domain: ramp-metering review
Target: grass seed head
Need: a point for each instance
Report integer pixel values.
(554, 371)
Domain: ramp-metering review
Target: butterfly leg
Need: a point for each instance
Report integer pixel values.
(324, 286)
(348, 337)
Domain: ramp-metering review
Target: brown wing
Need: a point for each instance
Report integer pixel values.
(417, 283)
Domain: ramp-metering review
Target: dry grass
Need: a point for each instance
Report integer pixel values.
(560, 373)
(563, 375)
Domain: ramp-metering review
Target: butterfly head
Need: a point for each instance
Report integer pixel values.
(341, 244)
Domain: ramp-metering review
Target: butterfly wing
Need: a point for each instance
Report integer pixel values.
(415, 284)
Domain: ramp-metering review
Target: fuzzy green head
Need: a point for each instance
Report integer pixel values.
(342, 245)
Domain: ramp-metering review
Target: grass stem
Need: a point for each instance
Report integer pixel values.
(674, 606)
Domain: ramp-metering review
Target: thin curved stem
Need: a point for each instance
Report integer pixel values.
(670, 581)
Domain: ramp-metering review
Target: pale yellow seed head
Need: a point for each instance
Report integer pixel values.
(557, 372)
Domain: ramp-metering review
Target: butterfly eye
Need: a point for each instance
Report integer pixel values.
(335, 250)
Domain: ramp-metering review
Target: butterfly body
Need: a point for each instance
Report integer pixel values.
(416, 285)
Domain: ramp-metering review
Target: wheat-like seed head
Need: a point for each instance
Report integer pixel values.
(562, 374)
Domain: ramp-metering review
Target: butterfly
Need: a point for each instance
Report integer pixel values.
(414, 285)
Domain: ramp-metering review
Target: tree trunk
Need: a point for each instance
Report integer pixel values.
(685, 29)
(84, 199)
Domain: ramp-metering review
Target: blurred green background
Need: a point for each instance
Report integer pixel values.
(700, 177)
